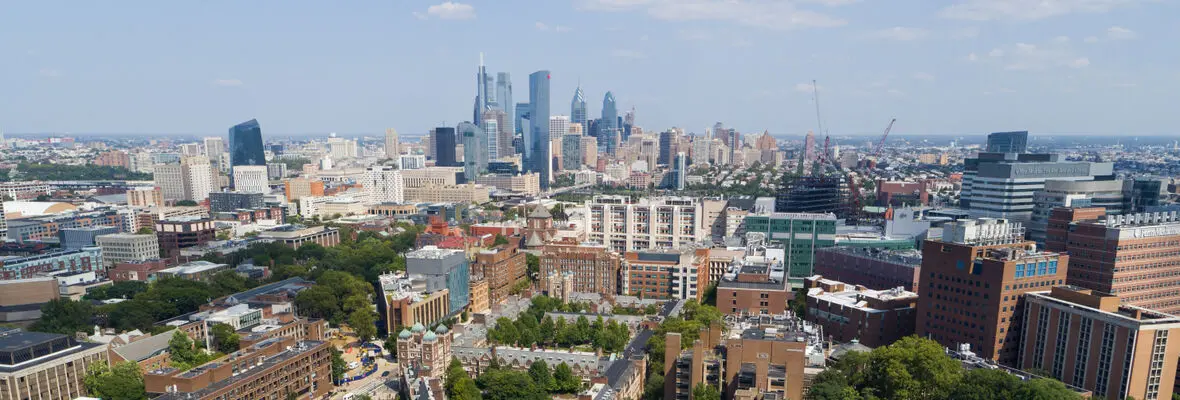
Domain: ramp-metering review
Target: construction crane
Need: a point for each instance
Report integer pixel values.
(881, 144)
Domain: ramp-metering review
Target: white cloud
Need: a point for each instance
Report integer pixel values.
(806, 87)
(227, 82)
(1120, 33)
(541, 26)
(777, 14)
(628, 54)
(49, 73)
(924, 76)
(1055, 53)
(448, 10)
(900, 33)
(1027, 10)
(1091, 39)
(972, 57)
(970, 32)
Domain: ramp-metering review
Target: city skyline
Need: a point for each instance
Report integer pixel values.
(963, 68)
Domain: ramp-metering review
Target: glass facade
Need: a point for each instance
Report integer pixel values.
(444, 143)
(608, 124)
(537, 157)
(504, 98)
(245, 144)
(578, 110)
(800, 234)
(475, 155)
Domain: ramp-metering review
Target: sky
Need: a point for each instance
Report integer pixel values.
(954, 67)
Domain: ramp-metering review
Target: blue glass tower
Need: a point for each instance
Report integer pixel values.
(578, 109)
(537, 156)
(522, 113)
(475, 155)
(504, 98)
(245, 144)
(445, 144)
(609, 123)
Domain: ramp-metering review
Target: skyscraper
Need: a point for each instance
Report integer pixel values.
(578, 109)
(667, 147)
(518, 117)
(245, 141)
(1007, 142)
(680, 169)
(499, 136)
(214, 148)
(444, 143)
(571, 152)
(504, 99)
(609, 123)
(391, 145)
(474, 155)
(559, 126)
(491, 129)
(809, 153)
(484, 94)
(537, 157)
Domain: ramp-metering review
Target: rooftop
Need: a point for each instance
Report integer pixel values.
(432, 252)
(260, 368)
(193, 267)
(909, 257)
(859, 299)
(798, 216)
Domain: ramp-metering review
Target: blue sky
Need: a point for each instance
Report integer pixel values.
(961, 67)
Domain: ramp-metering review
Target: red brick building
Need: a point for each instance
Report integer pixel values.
(592, 269)
(136, 270)
(1134, 256)
(179, 233)
(973, 285)
(1057, 229)
(874, 268)
(873, 317)
(758, 287)
(501, 267)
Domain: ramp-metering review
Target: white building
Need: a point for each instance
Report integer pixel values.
(214, 149)
(392, 150)
(251, 179)
(124, 247)
(384, 184)
(412, 161)
(649, 223)
(341, 148)
(191, 179)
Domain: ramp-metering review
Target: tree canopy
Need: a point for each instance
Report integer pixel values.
(64, 316)
(121, 381)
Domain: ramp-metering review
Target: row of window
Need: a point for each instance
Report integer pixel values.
(1041, 268)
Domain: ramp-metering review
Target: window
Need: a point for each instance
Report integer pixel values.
(1019, 270)
(1053, 267)
(1042, 268)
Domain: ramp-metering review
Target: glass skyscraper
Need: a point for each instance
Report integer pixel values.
(444, 147)
(536, 155)
(504, 98)
(245, 144)
(475, 155)
(609, 123)
(522, 113)
(578, 109)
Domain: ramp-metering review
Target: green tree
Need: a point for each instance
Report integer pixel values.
(364, 323)
(564, 380)
(180, 349)
(547, 330)
(64, 316)
(703, 391)
(912, 368)
(225, 339)
(534, 265)
(317, 302)
(505, 384)
(138, 313)
(654, 388)
(228, 282)
(338, 365)
(121, 381)
(500, 240)
(465, 389)
(186, 203)
(145, 231)
(541, 375)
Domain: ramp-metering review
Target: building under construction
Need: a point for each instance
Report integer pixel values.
(814, 194)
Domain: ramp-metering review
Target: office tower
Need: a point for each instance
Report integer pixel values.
(341, 148)
(190, 149)
(214, 148)
(1133, 256)
(233, 201)
(589, 150)
(609, 124)
(801, 234)
(628, 124)
(679, 171)
(251, 179)
(973, 285)
(81, 237)
(559, 125)
(1065, 193)
(667, 147)
(1142, 193)
(127, 247)
(571, 150)
(1007, 142)
(1086, 339)
(147, 196)
(442, 269)
(475, 161)
(491, 128)
(504, 100)
(276, 171)
(1018, 176)
(412, 161)
(190, 179)
(444, 147)
(519, 118)
(679, 222)
(245, 144)
(537, 156)
(392, 151)
(431, 145)
(484, 92)
(500, 135)
(383, 184)
(578, 108)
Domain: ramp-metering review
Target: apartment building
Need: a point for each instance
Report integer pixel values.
(668, 274)
(591, 268)
(128, 247)
(646, 224)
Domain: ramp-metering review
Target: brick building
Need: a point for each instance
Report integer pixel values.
(273, 368)
(179, 233)
(594, 269)
(1134, 256)
(973, 285)
(875, 268)
(1087, 339)
(1057, 229)
(847, 312)
(669, 274)
(501, 267)
(757, 286)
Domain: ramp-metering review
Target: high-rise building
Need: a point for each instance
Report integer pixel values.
(499, 136)
(501, 267)
(678, 274)
(1064, 193)
(504, 100)
(442, 269)
(233, 201)
(214, 149)
(1002, 185)
(1007, 142)
(809, 153)
(519, 118)
(1142, 193)
(679, 171)
(245, 144)
(190, 179)
(578, 108)
(559, 126)
(1133, 256)
(667, 150)
(127, 247)
(475, 161)
(1086, 339)
(276, 171)
(537, 156)
(251, 179)
(444, 147)
(571, 151)
(491, 129)
(974, 282)
(392, 150)
(383, 184)
(610, 113)
(484, 92)
(147, 196)
(589, 148)
(645, 224)
(412, 161)
(592, 268)
(801, 234)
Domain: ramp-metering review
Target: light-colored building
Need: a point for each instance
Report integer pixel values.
(589, 149)
(214, 149)
(294, 236)
(438, 176)
(392, 149)
(127, 247)
(191, 179)
(251, 179)
(468, 193)
(529, 183)
(194, 271)
(412, 161)
(45, 365)
(297, 188)
(25, 190)
(341, 148)
(1066, 193)
(383, 184)
(150, 196)
(649, 223)
(408, 301)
